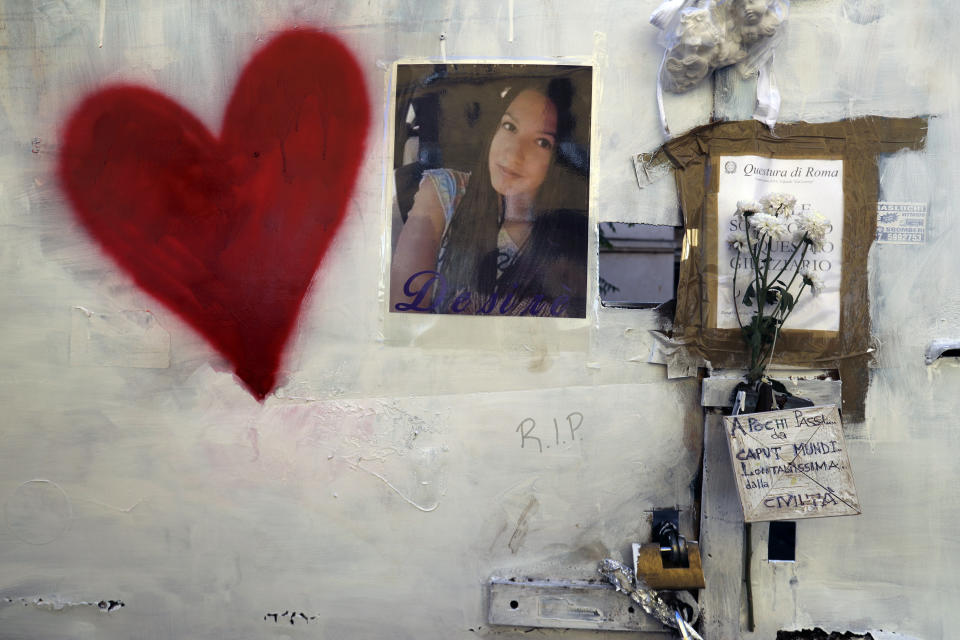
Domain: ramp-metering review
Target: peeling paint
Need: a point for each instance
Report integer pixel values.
(291, 616)
(406, 498)
(56, 603)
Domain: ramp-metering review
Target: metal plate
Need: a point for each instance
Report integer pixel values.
(567, 605)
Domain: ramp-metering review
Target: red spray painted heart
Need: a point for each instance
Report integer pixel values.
(226, 231)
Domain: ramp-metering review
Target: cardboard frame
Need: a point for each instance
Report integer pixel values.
(857, 143)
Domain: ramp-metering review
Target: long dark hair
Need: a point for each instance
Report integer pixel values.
(552, 265)
(469, 245)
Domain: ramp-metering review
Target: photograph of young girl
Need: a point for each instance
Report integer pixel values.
(491, 167)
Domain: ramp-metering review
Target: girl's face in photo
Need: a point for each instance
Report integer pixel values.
(522, 148)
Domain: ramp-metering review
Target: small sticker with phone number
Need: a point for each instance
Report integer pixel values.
(901, 222)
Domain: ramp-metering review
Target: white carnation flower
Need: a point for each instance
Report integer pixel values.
(812, 279)
(748, 207)
(772, 226)
(697, 28)
(778, 204)
(738, 241)
(812, 227)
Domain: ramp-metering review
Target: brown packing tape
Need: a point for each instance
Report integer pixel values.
(857, 142)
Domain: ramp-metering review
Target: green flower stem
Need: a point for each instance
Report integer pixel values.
(736, 302)
(753, 256)
(803, 242)
(764, 284)
(797, 271)
(766, 262)
(802, 287)
(779, 325)
(762, 332)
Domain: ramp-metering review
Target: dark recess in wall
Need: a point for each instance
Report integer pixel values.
(820, 634)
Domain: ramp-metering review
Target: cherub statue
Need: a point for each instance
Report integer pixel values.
(752, 11)
(686, 72)
(757, 20)
(691, 59)
(715, 34)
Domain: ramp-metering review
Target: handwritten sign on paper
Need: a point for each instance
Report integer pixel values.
(791, 464)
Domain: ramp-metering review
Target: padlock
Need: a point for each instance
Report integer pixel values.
(671, 563)
(650, 567)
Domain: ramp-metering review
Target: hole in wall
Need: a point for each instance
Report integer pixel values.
(514, 604)
(942, 348)
(782, 542)
(666, 515)
(639, 264)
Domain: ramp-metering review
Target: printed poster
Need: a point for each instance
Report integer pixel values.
(817, 184)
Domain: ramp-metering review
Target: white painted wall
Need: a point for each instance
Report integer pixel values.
(384, 483)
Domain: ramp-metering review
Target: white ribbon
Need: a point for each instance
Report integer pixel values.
(663, 114)
(768, 96)
(665, 13)
(663, 18)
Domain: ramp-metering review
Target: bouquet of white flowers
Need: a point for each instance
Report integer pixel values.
(773, 292)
